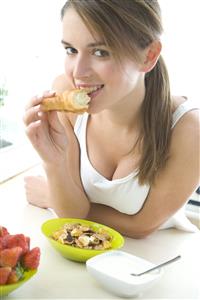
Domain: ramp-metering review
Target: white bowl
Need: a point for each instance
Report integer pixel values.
(112, 270)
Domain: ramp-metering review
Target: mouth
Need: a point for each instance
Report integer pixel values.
(91, 90)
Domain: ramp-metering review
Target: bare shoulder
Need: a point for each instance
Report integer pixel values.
(185, 148)
(185, 144)
(60, 85)
(186, 129)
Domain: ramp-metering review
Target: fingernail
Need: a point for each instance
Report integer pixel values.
(49, 93)
(40, 114)
(39, 96)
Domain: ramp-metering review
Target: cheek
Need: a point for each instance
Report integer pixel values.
(109, 74)
(130, 76)
(69, 74)
(68, 68)
(102, 70)
(117, 77)
(124, 75)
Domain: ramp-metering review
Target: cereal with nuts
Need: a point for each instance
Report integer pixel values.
(83, 236)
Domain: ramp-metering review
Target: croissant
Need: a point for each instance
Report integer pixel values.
(75, 101)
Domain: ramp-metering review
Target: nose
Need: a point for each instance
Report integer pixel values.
(82, 67)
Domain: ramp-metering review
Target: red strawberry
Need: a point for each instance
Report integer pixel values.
(2, 243)
(28, 242)
(10, 257)
(4, 274)
(17, 240)
(16, 274)
(31, 259)
(12, 278)
(3, 231)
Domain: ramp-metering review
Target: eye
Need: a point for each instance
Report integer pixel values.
(70, 50)
(101, 53)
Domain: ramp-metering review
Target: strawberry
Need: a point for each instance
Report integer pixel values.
(4, 274)
(12, 278)
(3, 231)
(10, 257)
(2, 243)
(31, 259)
(17, 240)
(16, 274)
(28, 242)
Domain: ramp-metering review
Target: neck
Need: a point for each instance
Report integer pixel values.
(127, 113)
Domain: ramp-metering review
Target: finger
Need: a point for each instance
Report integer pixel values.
(49, 94)
(69, 131)
(32, 131)
(31, 115)
(37, 132)
(38, 98)
(54, 120)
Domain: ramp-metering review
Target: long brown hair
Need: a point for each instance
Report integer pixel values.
(127, 27)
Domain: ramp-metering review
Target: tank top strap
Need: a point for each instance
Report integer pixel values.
(181, 110)
(81, 124)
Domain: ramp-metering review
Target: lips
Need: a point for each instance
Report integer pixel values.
(90, 89)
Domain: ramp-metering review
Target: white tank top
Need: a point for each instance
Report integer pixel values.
(125, 194)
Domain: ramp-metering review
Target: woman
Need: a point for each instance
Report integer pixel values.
(131, 162)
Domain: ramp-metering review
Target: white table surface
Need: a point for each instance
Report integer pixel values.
(59, 278)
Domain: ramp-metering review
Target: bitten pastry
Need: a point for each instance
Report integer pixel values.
(75, 101)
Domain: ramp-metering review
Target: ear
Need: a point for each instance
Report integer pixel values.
(152, 54)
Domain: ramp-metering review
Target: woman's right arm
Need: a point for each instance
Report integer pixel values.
(67, 196)
(53, 137)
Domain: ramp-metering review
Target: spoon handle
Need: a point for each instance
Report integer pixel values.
(158, 266)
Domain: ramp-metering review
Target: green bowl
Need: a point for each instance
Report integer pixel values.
(78, 254)
(8, 288)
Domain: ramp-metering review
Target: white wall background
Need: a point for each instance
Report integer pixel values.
(181, 45)
(30, 51)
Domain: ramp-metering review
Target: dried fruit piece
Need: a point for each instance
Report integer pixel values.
(69, 239)
(84, 240)
(76, 232)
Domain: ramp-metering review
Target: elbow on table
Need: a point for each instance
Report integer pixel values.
(141, 233)
(73, 213)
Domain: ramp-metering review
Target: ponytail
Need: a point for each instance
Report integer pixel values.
(157, 122)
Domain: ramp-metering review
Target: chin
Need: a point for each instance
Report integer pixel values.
(94, 109)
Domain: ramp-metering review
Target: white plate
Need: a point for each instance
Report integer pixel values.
(113, 268)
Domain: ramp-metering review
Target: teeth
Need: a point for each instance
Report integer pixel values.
(90, 89)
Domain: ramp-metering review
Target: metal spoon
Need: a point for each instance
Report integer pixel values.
(158, 266)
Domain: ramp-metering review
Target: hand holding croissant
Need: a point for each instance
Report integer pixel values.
(75, 101)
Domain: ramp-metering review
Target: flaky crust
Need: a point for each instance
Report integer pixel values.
(66, 102)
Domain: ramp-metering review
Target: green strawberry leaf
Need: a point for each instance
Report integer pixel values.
(19, 271)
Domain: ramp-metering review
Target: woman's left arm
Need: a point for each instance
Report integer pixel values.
(171, 190)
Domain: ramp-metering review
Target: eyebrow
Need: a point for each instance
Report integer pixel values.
(90, 45)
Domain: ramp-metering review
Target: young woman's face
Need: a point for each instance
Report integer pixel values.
(89, 63)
